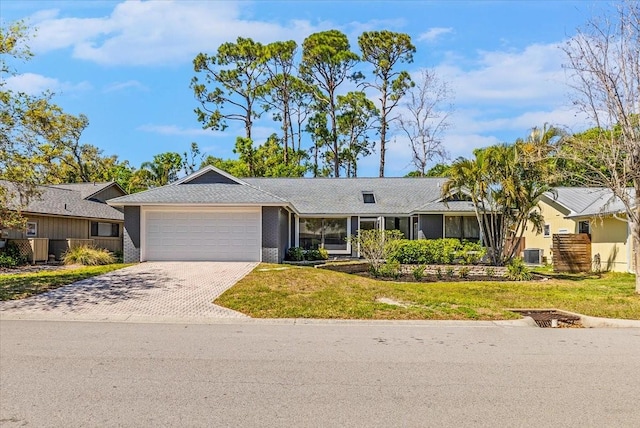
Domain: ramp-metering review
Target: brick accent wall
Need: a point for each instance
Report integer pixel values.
(131, 235)
(270, 255)
(275, 234)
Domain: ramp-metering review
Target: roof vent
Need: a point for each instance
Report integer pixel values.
(368, 198)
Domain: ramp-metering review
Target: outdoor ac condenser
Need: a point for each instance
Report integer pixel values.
(533, 256)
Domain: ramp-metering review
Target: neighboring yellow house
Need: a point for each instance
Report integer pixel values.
(585, 210)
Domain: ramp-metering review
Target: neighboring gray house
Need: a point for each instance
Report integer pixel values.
(211, 215)
(70, 214)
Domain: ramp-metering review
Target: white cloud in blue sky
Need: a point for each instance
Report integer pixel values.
(33, 84)
(127, 65)
(125, 86)
(432, 34)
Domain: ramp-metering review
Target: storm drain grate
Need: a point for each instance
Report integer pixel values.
(551, 318)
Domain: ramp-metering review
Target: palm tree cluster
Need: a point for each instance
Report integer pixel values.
(505, 183)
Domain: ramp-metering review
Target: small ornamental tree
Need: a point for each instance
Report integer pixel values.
(376, 246)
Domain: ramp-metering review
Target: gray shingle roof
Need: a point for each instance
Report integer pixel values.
(452, 206)
(587, 201)
(65, 202)
(344, 195)
(309, 196)
(206, 194)
(86, 189)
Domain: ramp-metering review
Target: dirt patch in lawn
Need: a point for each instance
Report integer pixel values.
(36, 268)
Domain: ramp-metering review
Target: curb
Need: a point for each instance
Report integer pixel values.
(597, 322)
(524, 322)
(586, 321)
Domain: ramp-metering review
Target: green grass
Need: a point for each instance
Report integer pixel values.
(302, 292)
(21, 285)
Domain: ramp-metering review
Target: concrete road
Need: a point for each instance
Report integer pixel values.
(261, 374)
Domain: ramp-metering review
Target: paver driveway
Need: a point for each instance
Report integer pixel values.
(148, 291)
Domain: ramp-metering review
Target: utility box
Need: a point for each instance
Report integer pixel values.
(533, 256)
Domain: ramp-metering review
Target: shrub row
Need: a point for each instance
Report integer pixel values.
(298, 254)
(436, 251)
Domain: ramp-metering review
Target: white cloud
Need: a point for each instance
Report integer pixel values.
(32, 84)
(121, 86)
(463, 144)
(174, 130)
(157, 32)
(355, 28)
(434, 33)
(528, 77)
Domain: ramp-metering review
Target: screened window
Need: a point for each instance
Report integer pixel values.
(397, 223)
(105, 230)
(328, 233)
(461, 227)
(547, 230)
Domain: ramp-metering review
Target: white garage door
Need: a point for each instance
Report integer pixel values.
(220, 235)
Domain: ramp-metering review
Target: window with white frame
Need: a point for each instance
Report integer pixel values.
(328, 233)
(32, 229)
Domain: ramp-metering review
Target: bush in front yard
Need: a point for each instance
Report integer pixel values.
(88, 256)
(518, 271)
(297, 254)
(436, 251)
(376, 246)
(11, 256)
(316, 254)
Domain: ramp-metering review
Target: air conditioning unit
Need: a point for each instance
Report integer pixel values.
(533, 256)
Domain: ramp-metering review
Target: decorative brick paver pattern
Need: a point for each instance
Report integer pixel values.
(161, 290)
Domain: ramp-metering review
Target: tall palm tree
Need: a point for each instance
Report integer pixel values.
(504, 190)
(162, 170)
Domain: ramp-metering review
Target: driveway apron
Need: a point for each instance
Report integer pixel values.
(147, 291)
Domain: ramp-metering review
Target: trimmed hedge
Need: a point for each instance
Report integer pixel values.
(437, 251)
(298, 254)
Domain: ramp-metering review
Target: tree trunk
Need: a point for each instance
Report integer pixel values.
(634, 227)
(334, 139)
(315, 160)
(636, 251)
(383, 145)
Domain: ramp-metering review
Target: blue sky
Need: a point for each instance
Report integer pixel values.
(128, 65)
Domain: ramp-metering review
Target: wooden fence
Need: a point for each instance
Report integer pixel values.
(572, 252)
(34, 249)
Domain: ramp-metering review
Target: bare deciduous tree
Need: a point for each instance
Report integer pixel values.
(604, 59)
(425, 119)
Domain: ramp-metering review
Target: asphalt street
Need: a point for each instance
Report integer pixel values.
(269, 374)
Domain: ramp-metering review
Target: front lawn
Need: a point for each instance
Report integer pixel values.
(277, 291)
(20, 285)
